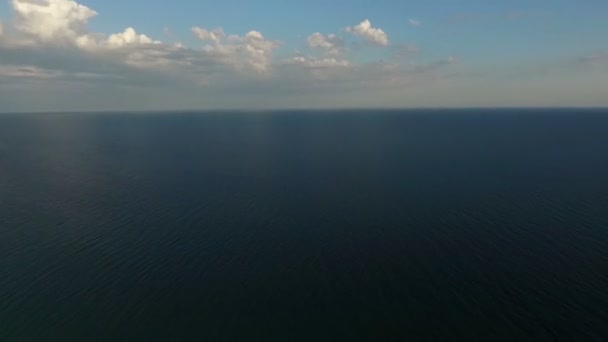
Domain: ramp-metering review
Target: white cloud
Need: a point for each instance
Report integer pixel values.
(129, 37)
(48, 20)
(331, 43)
(339, 75)
(42, 24)
(65, 22)
(63, 55)
(253, 50)
(317, 63)
(369, 33)
(214, 35)
(312, 69)
(414, 22)
(45, 24)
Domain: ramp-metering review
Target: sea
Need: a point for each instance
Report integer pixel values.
(362, 225)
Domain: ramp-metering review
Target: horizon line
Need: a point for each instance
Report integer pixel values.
(275, 110)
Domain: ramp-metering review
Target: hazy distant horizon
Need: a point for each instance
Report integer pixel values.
(319, 110)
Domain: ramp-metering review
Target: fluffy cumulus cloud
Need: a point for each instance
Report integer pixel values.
(130, 37)
(331, 43)
(49, 24)
(64, 22)
(209, 35)
(251, 51)
(369, 33)
(47, 20)
(50, 48)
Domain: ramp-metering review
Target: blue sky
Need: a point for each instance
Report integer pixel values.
(78, 55)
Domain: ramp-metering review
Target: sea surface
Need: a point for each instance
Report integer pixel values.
(429, 225)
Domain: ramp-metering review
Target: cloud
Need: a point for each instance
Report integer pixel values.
(1, 29)
(129, 37)
(11, 73)
(51, 58)
(414, 22)
(370, 34)
(51, 20)
(331, 43)
(64, 22)
(318, 63)
(305, 74)
(127, 58)
(26, 71)
(252, 51)
(45, 26)
(137, 66)
(214, 35)
(320, 69)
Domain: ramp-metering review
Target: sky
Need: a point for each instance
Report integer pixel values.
(100, 55)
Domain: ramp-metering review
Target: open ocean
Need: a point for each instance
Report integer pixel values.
(430, 225)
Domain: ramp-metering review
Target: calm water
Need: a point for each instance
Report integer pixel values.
(432, 225)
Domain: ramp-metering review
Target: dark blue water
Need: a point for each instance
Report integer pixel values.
(416, 225)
